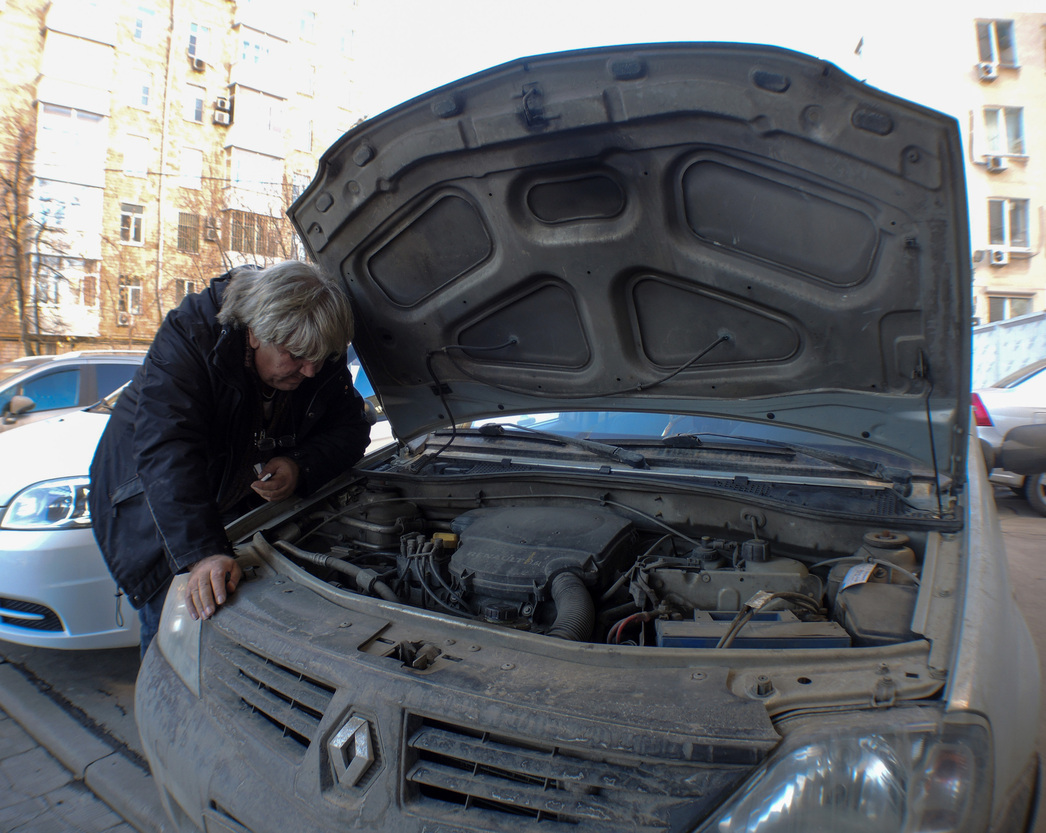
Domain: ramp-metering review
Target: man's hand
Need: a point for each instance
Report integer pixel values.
(210, 581)
(283, 480)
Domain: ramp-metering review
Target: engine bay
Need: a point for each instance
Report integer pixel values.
(632, 569)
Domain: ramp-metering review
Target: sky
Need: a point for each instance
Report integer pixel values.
(406, 47)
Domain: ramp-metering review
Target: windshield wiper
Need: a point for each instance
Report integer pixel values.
(613, 452)
(901, 479)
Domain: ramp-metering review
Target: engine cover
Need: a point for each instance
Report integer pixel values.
(509, 553)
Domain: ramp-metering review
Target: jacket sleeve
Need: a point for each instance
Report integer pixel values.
(174, 418)
(339, 436)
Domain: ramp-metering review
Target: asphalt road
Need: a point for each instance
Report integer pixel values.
(98, 686)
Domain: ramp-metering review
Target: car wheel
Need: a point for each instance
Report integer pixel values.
(1035, 491)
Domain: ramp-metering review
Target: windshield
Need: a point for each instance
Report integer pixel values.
(634, 427)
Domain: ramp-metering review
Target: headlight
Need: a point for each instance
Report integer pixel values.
(909, 771)
(52, 504)
(178, 637)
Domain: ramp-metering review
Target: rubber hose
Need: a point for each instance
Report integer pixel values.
(575, 611)
(379, 588)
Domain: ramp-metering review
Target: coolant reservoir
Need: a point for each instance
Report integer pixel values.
(892, 548)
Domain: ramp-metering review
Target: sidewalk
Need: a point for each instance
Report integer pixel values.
(61, 774)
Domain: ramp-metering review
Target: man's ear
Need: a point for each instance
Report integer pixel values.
(252, 339)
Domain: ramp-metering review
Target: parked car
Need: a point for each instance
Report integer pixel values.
(40, 387)
(55, 590)
(687, 527)
(1015, 400)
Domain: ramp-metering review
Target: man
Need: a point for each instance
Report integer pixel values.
(244, 396)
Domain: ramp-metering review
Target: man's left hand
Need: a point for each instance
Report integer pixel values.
(283, 482)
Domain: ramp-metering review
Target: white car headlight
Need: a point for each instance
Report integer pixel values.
(904, 770)
(51, 504)
(178, 637)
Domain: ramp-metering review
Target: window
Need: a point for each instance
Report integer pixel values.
(191, 168)
(183, 287)
(71, 145)
(47, 280)
(89, 290)
(254, 49)
(1004, 127)
(193, 103)
(255, 171)
(188, 232)
(199, 41)
(141, 85)
(1001, 307)
(305, 136)
(136, 155)
(253, 234)
(996, 43)
(143, 23)
(55, 390)
(1008, 223)
(307, 28)
(130, 295)
(110, 376)
(131, 222)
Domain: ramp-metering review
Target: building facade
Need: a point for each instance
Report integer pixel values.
(157, 143)
(1006, 172)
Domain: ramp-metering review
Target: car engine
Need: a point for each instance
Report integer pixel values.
(588, 569)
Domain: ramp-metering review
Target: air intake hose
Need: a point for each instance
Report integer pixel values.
(575, 611)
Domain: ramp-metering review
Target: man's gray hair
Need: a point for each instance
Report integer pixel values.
(291, 304)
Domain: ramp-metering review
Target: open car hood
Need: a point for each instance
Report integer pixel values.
(707, 228)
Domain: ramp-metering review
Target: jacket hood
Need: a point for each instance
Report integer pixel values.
(719, 229)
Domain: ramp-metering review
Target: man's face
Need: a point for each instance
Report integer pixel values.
(279, 368)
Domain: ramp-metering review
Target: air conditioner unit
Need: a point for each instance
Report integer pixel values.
(996, 163)
(221, 117)
(198, 64)
(123, 319)
(987, 71)
(210, 234)
(998, 257)
(221, 103)
(213, 222)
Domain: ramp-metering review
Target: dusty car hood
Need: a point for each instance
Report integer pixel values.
(53, 448)
(690, 228)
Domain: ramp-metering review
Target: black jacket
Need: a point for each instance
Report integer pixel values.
(164, 463)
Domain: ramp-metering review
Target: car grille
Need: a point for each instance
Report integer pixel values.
(286, 703)
(28, 615)
(471, 776)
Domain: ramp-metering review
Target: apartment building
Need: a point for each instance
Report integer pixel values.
(160, 142)
(1006, 171)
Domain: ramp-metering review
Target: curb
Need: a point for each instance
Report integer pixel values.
(115, 779)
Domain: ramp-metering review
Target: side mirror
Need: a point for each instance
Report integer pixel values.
(1023, 450)
(17, 406)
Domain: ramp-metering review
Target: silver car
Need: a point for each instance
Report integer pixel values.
(686, 527)
(1018, 399)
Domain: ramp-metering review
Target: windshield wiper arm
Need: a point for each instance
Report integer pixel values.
(901, 479)
(613, 452)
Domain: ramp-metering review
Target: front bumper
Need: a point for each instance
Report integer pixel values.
(56, 592)
(480, 738)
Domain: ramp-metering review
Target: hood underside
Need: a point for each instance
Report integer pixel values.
(718, 229)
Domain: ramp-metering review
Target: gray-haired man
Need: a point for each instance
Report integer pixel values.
(244, 396)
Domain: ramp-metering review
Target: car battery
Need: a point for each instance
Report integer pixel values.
(766, 629)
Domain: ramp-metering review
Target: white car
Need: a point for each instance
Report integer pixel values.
(55, 590)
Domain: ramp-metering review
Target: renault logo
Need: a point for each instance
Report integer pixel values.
(351, 751)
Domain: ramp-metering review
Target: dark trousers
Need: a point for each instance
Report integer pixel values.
(149, 616)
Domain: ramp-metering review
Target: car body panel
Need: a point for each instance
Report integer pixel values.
(55, 590)
(684, 300)
(674, 340)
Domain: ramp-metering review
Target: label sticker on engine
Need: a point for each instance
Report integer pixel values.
(857, 574)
